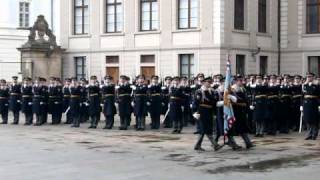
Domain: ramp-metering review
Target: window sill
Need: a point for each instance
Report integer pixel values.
(311, 35)
(264, 34)
(147, 32)
(80, 36)
(112, 34)
(240, 31)
(186, 30)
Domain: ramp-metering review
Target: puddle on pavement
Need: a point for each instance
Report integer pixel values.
(99, 147)
(150, 141)
(268, 165)
(119, 152)
(85, 142)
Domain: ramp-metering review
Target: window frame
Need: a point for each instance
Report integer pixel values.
(150, 14)
(82, 7)
(266, 59)
(318, 64)
(262, 16)
(83, 66)
(115, 4)
(309, 5)
(244, 64)
(24, 22)
(236, 17)
(189, 15)
(189, 64)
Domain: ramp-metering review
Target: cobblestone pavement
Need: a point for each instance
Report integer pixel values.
(60, 152)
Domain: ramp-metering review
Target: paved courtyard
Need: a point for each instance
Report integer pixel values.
(60, 152)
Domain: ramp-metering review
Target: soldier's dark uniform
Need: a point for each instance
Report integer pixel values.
(124, 102)
(108, 100)
(94, 103)
(140, 104)
(15, 100)
(154, 92)
(75, 101)
(204, 104)
(194, 89)
(66, 102)
(296, 103)
(284, 108)
(39, 103)
(55, 103)
(310, 106)
(84, 114)
(26, 105)
(165, 102)
(176, 107)
(273, 108)
(187, 114)
(4, 101)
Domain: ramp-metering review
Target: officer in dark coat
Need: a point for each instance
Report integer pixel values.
(273, 106)
(26, 105)
(39, 101)
(45, 106)
(285, 105)
(259, 105)
(140, 102)
(194, 88)
(55, 100)
(75, 101)
(204, 105)
(84, 114)
(154, 101)
(176, 105)
(186, 89)
(4, 101)
(165, 101)
(66, 100)
(310, 106)
(94, 101)
(15, 99)
(123, 91)
(296, 102)
(108, 101)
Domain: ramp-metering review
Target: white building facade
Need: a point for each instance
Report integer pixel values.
(15, 17)
(184, 37)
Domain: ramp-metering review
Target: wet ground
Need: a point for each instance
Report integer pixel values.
(60, 152)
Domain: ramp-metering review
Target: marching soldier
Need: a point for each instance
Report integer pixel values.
(186, 89)
(84, 114)
(26, 105)
(15, 99)
(39, 101)
(204, 105)
(55, 100)
(296, 102)
(154, 91)
(75, 101)
(139, 102)
(45, 106)
(108, 101)
(165, 101)
(273, 106)
(66, 100)
(259, 105)
(176, 105)
(310, 106)
(94, 102)
(124, 102)
(4, 103)
(285, 100)
(196, 86)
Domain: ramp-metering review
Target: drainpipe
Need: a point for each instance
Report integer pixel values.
(52, 15)
(279, 37)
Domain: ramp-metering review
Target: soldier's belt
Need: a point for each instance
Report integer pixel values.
(205, 106)
(66, 96)
(241, 104)
(53, 97)
(75, 96)
(273, 96)
(3, 98)
(175, 98)
(156, 94)
(37, 96)
(108, 95)
(121, 95)
(26, 96)
(297, 96)
(14, 94)
(140, 95)
(310, 97)
(261, 96)
(92, 95)
(285, 96)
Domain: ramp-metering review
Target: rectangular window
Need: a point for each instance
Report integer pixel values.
(313, 16)
(112, 59)
(81, 17)
(262, 24)
(149, 17)
(81, 69)
(314, 65)
(187, 14)
(186, 65)
(147, 59)
(263, 65)
(114, 16)
(240, 64)
(239, 14)
(24, 13)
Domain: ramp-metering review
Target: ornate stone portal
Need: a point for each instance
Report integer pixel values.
(40, 56)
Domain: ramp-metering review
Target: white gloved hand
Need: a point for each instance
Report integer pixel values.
(56, 102)
(252, 107)
(220, 103)
(191, 106)
(18, 101)
(101, 105)
(29, 103)
(319, 108)
(117, 105)
(196, 116)
(163, 104)
(132, 104)
(6, 104)
(87, 104)
(301, 108)
(41, 103)
(232, 98)
(182, 108)
(148, 104)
